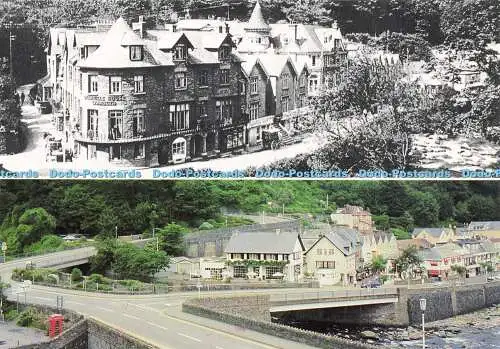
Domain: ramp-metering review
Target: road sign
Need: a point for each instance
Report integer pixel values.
(4, 246)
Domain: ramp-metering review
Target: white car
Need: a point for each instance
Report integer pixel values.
(73, 237)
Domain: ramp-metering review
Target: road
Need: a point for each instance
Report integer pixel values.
(34, 156)
(156, 319)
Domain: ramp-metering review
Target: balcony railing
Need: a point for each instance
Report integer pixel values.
(155, 133)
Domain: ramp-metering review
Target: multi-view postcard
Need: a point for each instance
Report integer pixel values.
(270, 89)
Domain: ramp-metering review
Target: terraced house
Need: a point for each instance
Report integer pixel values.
(148, 97)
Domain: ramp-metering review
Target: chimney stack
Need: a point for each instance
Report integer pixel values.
(227, 28)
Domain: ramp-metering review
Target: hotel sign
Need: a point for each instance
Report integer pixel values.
(103, 101)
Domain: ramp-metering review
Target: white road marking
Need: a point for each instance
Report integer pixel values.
(217, 347)
(131, 316)
(192, 338)
(105, 309)
(156, 325)
(74, 302)
(43, 298)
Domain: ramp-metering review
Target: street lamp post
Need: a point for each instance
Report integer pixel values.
(116, 232)
(11, 37)
(423, 304)
(157, 240)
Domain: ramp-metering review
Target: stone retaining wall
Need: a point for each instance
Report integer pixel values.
(102, 336)
(446, 302)
(225, 310)
(72, 338)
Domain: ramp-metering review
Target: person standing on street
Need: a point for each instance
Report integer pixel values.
(22, 98)
(16, 96)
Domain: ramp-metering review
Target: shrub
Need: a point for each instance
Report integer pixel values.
(98, 278)
(206, 226)
(11, 315)
(30, 317)
(52, 278)
(76, 274)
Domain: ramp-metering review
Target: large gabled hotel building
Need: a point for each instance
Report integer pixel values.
(148, 98)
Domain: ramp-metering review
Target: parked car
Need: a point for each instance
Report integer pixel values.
(373, 283)
(73, 237)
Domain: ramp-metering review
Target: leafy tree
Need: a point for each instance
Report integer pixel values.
(470, 23)
(108, 222)
(33, 224)
(409, 46)
(400, 234)
(378, 264)
(102, 260)
(381, 222)
(409, 261)
(307, 11)
(80, 210)
(425, 209)
(76, 275)
(487, 267)
(132, 262)
(171, 239)
(459, 269)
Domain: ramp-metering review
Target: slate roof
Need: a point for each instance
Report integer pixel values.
(274, 64)
(257, 21)
(486, 225)
(260, 242)
(436, 232)
(114, 52)
(419, 243)
(208, 40)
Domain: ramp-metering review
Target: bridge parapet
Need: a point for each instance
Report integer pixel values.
(309, 297)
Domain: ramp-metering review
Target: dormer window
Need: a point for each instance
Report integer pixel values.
(136, 53)
(224, 52)
(180, 53)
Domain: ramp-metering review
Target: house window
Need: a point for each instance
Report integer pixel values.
(115, 85)
(325, 264)
(138, 122)
(313, 83)
(239, 271)
(179, 148)
(313, 61)
(234, 140)
(179, 116)
(115, 124)
(296, 255)
(224, 111)
(180, 81)
(253, 84)
(180, 52)
(255, 256)
(224, 52)
(254, 111)
(139, 151)
(138, 84)
(224, 76)
(93, 84)
(271, 257)
(285, 81)
(285, 104)
(203, 78)
(259, 133)
(302, 81)
(136, 53)
(202, 108)
(92, 123)
(285, 257)
(272, 271)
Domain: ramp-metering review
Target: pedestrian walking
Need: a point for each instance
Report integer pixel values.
(22, 98)
(16, 97)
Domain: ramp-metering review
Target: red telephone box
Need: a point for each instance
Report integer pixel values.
(56, 322)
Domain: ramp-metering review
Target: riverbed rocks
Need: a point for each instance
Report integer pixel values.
(369, 335)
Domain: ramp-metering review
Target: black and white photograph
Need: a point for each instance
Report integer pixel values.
(393, 88)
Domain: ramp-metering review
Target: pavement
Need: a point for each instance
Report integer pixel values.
(12, 335)
(156, 319)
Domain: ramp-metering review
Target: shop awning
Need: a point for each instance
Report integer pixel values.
(434, 272)
(45, 81)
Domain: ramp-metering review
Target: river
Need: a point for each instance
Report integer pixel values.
(480, 329)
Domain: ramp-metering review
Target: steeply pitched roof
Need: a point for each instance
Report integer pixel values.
(282, 243)
(486, 225)
(210, 40)
(419, 243)
(114, 50)
(435, 232)
(274, 64)
(257, 21)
